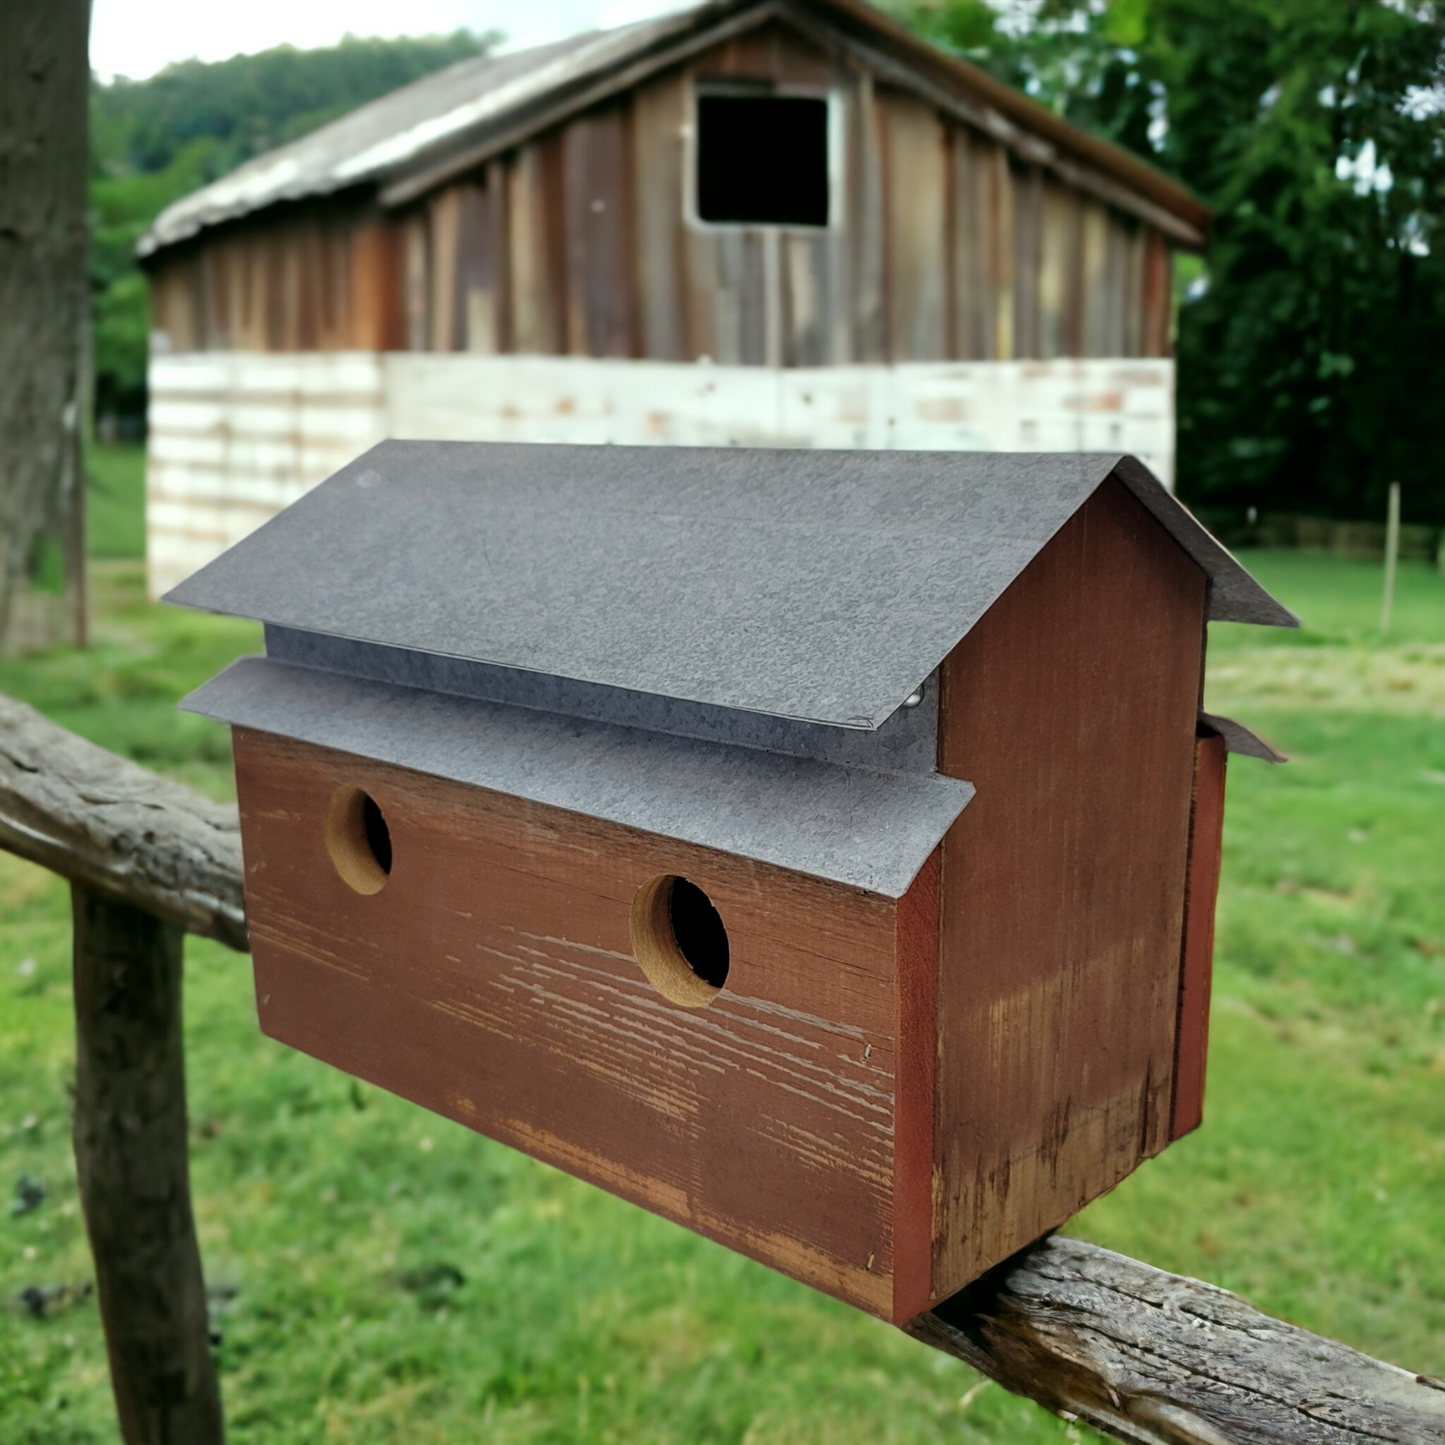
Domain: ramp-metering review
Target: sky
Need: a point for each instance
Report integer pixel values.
(136, 38)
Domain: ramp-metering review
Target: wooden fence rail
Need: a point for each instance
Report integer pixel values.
(1146, 1356)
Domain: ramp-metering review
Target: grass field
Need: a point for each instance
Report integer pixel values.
(382, 1275)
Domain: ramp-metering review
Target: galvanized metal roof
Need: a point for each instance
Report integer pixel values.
(856, 826)
(822, 586)
(414, 138)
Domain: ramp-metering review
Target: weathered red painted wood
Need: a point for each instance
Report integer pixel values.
(1071, 706)
(491, 979)
(1206, 842)
(917, 1054)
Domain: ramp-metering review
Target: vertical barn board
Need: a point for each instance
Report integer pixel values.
(1117, 274)
(1097, 298)
(1028, 242)
(531, 320)
(807, 293)
(476, 268)
(492, 980)
(554, 241)
(213, 274)
(1003, 253)
(375, 287)
(1158, 296)
(310, 243)
(728, 297)
(499, 221)
(171, 316)
(1071, 706)
(976, 231)
(659, 113)
(916, 202)
(1206, 841)
(538, 248)
(1134, 290)
(1057, 251)
(443, 226)
(867, 222)
(750, 251)
(258, 272)
(597, 209)
(965, 253)
(416, 287)
(703, 278)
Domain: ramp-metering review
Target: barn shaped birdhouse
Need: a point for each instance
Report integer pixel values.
(816, 848)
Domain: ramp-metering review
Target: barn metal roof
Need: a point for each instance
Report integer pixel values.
(421, 135)
(818, 586)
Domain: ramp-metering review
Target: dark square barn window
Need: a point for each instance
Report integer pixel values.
(762, 160)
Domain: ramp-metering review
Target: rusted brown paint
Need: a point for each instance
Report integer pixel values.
(1206, 841)
(917, 1050)
(491, 979)
(1071, 706)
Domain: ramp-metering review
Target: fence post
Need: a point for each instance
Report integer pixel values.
(131, 1159)
(1392, 557)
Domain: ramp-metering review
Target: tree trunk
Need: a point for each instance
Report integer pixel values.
(44, 291)
(130, 1154)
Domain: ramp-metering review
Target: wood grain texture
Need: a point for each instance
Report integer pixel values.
(1071, 707)
(118, 828)
(1206, 843)
(659, 113)
(492, 980)
(131, 1167)
(597, 183)
(917, 228)
(1159, 1359)
(916, 1068)
(947, 244)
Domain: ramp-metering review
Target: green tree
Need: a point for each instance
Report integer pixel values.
(153, 141)
(1310, 345)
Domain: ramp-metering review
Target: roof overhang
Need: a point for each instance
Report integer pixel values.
(818, 586)
(857, 826)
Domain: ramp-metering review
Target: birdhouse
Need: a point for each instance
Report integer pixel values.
(816, 848)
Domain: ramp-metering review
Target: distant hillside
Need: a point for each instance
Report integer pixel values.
(155, 140)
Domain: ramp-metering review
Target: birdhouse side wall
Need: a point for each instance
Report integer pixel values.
(491, 979)
(1072, 707)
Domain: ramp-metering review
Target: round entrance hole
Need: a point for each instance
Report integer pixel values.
(679, 940)
(358, 840)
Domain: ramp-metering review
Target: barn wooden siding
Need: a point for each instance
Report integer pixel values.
(949, 246)
(237, 436)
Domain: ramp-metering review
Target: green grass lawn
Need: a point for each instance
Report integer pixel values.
(383, 1275)
(115, 501)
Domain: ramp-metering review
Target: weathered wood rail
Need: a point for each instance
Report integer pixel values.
(1148, 1357)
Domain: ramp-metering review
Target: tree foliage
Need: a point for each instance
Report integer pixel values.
(1310, 346)
(153, 141)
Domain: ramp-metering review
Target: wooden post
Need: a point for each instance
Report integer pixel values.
(1392, 557)
(1157, 1359)
(130, 1154)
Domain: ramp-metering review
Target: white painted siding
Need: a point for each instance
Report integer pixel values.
(237, 436)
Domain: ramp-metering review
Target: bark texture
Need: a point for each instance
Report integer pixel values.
(44, 291)
(130, 1154)
(1157, 1359)
(115, 826)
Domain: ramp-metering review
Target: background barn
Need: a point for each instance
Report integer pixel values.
(588, 241)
